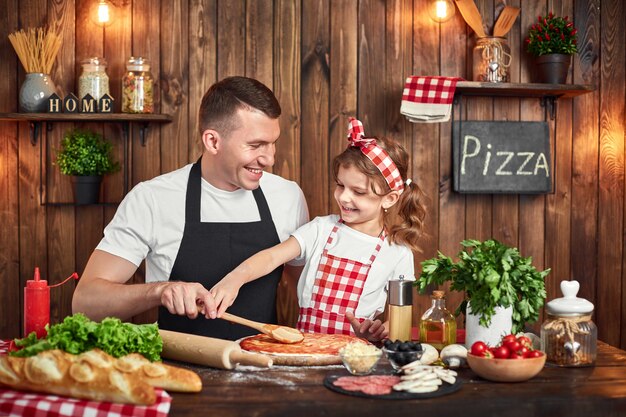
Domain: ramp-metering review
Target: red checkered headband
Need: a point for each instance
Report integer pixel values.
(376, 154)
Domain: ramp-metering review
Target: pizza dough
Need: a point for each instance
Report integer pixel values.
(315, 350)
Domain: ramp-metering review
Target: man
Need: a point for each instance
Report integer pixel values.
(195, 224)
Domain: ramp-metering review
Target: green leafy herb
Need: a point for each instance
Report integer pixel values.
(84, 152)
(552, 35)
(492, 275)
(77, 334)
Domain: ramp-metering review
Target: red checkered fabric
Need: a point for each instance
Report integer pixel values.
(4, 346)
(376, 154)
(17, 404)
(438, 90)
(338, 286)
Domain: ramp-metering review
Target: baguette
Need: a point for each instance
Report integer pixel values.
(96, 375)
(58, 372)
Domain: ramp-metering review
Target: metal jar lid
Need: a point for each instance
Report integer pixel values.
(401, 291)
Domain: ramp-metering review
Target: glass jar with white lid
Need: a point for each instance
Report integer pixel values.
(568, 336)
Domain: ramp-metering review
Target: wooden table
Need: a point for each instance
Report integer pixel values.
(297, 392)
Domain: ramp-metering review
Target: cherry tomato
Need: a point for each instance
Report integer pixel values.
(508, 338)
(513, 346)
(501, 352)
(525, 341)
(478, 348)
(515, 355)
(487, 354)
(523, 351)
(533, 354)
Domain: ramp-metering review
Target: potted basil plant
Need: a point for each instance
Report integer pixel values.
(503, 290)
(86, 156)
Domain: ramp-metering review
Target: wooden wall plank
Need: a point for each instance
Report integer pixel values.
(585, 122)
(259, 41)
(343, 81)
(371, 66)
(315, 93)
(425, 145)
(202, 64)
(10, 288)
(32, 216)
(611, 171)
(231, 38)
(453, 43)
(287, 70)
(173, 84)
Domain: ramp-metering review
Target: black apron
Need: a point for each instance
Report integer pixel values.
(209, 251)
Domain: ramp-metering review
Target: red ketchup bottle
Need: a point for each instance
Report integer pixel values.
(36, 306)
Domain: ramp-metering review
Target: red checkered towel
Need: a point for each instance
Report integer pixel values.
(18, 404)
(428, 99)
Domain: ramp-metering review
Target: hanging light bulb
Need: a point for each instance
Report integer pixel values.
(103, 12)
(441, 10)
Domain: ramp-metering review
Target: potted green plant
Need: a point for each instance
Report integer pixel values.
(86, 156)
(552, 41)
(495, 278)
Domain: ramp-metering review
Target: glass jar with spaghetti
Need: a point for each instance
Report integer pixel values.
(137, 87)
(568, 336)
(491, 60)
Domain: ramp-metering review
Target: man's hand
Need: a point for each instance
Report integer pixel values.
(183, 299)
(374, 331)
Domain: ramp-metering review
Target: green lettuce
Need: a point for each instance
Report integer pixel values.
(78, 334)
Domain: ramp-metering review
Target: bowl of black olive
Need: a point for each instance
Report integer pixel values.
(401, 353)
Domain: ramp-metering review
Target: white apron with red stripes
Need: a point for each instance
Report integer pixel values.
(338, 286)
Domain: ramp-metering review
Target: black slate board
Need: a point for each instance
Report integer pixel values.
(444, 389)
(502, 157)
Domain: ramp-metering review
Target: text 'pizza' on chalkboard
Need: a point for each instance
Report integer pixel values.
(501, 157)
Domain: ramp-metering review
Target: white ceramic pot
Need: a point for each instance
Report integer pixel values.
(501, 324)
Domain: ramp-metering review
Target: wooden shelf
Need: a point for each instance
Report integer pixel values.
(88, 117)
(522, 90)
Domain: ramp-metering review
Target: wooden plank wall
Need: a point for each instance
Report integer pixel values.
(326, 61)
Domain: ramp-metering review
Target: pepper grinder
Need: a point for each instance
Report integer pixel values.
(36, 305)
(400, 309)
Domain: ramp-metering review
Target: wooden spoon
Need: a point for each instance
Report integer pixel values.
(505, 21)
(282, 334)
(472, 17)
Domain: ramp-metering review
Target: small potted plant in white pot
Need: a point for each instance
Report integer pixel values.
(86, 156)
(503, 290)
(552, 41)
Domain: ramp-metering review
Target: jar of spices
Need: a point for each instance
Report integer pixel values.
(93, 80)
(137, 87)
(568, 336)
(491, 59)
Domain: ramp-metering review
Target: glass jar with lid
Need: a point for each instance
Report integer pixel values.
(137, 87)
(568, 336)
(491, 59)
(93, 80)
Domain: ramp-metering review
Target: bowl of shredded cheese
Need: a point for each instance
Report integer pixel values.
(359, 358)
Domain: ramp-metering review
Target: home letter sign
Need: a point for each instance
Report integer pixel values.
(502, 157)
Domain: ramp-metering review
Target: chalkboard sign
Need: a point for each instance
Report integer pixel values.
(501, 157)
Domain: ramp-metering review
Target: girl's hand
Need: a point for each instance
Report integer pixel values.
(373, 331)
(225, 292)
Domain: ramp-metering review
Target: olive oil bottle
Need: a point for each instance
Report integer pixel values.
(437, 325)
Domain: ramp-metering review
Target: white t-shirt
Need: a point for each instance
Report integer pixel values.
(150, 221)
(392, 261)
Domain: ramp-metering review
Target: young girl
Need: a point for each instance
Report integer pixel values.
(348, 258)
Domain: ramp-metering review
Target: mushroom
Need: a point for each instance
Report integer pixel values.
(454, 355)
(430, 354)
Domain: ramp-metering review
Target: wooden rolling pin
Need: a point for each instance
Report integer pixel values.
(208, 351)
